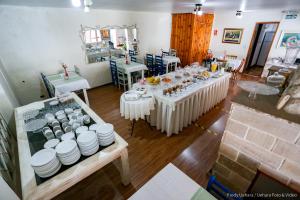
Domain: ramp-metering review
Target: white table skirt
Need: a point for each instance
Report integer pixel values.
(136, 109)
(171, 120)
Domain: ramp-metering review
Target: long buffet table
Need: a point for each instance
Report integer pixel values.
(172, 113)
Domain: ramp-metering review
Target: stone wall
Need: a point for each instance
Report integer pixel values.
(254, 140)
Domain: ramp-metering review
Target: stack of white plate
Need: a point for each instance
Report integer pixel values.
(45, 163)
(68, 152)
(105, 133)
(88, 143)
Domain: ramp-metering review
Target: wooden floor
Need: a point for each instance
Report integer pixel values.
(193, 151)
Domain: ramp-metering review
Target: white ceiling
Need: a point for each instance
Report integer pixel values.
(166, 5)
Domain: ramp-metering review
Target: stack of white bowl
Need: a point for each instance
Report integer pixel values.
(67, 152)
(105, 133)
(45, 163)
(88, 143)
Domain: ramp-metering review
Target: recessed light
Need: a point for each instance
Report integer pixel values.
(76, 3)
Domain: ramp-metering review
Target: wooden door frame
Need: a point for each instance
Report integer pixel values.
(250, 48)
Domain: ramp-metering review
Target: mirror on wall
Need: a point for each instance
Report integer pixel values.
(104, 43)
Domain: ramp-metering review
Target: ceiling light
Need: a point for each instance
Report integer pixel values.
(87, 5)
(239, 14)
(197, 9)
(76, 3)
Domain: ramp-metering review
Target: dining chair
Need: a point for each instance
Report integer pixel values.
(159, 66)
(232, 57)
(164, 53)
(122, 78)
(173, 52)
(219, 191)
(47, 85)
(235, 72)
(132, 52)
(114, 72)
(133, 59)
(150, 64)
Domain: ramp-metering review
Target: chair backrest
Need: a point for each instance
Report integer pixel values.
(165, 53)
(240, 68)
(219, 191)
(47, 85)
(173, 52)
(232, 57)
(149, 60)
(131, 53)
(113, 65)
(158, 61)
(133, 59)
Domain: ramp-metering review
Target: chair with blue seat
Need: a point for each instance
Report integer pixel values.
(114, 72)
(160, 69)
(48, 86)
(150, 64)
(132, 53)
(165, 53)
(219, 191)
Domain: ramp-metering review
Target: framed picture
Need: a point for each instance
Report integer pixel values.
(232, 35)
(105, 34)
(291, 37)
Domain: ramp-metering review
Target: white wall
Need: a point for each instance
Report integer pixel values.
(35, 40)
(8, 100)
(227, 19)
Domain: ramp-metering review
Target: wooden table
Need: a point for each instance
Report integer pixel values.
(171, 183)
(64, 180)
(74, 83)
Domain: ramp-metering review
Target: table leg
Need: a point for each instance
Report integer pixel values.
(175, 66)
(143, 74)
(129, 80)
(167, 67)
(125, 172)
(86, 98)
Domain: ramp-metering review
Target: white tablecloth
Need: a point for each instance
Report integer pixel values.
(136, 109)
(74, 83)
(170, 59)
(233, 63)
(172, 114)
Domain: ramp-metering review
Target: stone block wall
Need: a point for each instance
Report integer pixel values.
(255, 140)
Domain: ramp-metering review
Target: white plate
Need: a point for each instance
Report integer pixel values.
(43, 157)
(30, 114)
(60, 112)
(51, 143)
(35, 125)
(86, 137)
(90, 152)
(68, 136)
(53, 103)
(94, 127)
(65, 147)
(81, 129)
(52, 173)
(105, 128)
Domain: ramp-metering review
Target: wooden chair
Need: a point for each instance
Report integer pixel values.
(122, 78)
(219, 191)
(48, 86)
(173, 52)
(232, 57)
(150, 64)
(159, 66)
(235, 72)
(114, 72)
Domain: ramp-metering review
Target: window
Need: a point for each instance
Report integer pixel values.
(92, 36)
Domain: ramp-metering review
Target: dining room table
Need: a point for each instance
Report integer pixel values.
(34, 187)
(167, 60)
(131, 67)
(73, 83)
(175, 111)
